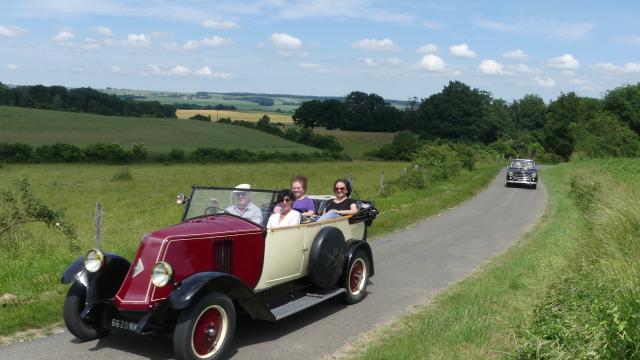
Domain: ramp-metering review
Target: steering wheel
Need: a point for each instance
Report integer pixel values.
(212, 210)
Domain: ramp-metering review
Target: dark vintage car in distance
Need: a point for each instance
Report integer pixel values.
(522, 172)
(193, 278)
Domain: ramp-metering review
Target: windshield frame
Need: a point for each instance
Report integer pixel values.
(523, 162)
(195, 188)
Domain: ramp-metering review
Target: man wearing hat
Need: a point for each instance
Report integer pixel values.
(243, 206)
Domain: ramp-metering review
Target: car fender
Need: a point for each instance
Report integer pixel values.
(200, 283)
(102, 284)
(354, 245)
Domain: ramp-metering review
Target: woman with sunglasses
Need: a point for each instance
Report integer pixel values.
(341, 205)
(287, 215)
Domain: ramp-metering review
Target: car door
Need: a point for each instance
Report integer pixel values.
(284, 255)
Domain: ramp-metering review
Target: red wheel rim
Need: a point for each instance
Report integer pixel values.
(357, 277)
(209, 331)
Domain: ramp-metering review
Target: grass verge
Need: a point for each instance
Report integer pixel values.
(32, 264)
(480, 316)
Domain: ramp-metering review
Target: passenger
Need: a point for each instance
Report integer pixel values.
(341, 205)
(243, 206)
(302, 202)
(287, 215)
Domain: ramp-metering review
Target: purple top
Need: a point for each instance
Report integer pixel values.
(303, 205)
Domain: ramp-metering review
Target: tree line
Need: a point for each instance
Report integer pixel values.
(526, 127)
(81, 100)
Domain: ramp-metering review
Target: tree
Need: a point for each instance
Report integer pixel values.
(456, 113)
(308, 114)
(605, 135)
(624, 102)
(529, 112)
(567, 111)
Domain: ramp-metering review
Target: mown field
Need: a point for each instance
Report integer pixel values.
(568, 289)
(236, 115)
(39, 127)
(33, 262)
(357, 143)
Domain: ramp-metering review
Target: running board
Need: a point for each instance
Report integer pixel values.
(304, 302)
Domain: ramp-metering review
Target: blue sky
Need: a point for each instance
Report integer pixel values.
(395, 49)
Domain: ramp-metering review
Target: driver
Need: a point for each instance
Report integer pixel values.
(243, 206)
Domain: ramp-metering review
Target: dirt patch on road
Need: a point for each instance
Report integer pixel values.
(28, 335)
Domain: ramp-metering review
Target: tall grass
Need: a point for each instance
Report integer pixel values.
(31, 269)
(593, 310)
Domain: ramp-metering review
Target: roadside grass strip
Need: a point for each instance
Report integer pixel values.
(483, 315)
(33, 261)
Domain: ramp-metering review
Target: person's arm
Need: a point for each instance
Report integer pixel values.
(353, 208)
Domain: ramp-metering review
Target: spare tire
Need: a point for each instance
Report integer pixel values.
(326, 257)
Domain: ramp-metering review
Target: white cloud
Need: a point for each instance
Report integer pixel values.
(580, 82)
(375, 45)
(314, 67)
(394, 61)
(544, 82)
(190, 45)
(12, 67)
(90, 44)
(180, 70)
(427, 49)
(548, 28)
(433, 63)
(628, 68)
(492, 67)
(215, 41)
(117, 69)
(518, 55)
(222, 25)
(12, 31)
(285, 41)
(137, 40)
(206, 72)
(568, 73)
(566, 62)
(153, 70)
(370, 61)
(63, 36)
(358, 9)
(433, 25)
(523, 68)
(103, 30)
(462, 51)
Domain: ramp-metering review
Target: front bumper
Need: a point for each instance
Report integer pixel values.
(526, 182)
(526, 179)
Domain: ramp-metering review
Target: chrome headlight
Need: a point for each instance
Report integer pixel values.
(94, 260)
(510, 173)
(533, 175)
(161, 274)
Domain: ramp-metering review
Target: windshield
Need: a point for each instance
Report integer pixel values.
(254, 205)
(523, 164)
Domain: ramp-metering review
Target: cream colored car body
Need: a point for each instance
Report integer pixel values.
(286, 253)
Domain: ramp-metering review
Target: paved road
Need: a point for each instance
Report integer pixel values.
(411, 267)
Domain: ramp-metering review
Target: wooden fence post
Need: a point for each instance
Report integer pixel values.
(97, 226)
(382, 181)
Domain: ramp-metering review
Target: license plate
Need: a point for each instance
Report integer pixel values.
(123, 324)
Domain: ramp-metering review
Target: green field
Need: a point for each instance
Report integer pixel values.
(33, 262)
(236, 115)
(356, 143)
(39, 127)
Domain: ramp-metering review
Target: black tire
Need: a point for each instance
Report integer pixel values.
(357, 278)
(534, 186)
(215, 316)
(74, 304)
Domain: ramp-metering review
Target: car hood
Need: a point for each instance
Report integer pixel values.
(172, 244)
(519, 170)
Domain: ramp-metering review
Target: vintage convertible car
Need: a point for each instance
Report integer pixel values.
(522, 171)
(194, 277)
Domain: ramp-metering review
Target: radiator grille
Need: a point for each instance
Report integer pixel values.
(222, 253)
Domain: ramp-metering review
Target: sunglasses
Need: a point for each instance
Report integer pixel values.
(340, 188)
(286, 200)
(241, 194)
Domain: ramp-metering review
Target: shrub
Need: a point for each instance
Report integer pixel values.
(176, 155)
(439, 161)
(411, 179)
(200, 117)
(16, 153)
(224, 120)
(59, 153)
(21, 208)
(138, 152)
(111, 153)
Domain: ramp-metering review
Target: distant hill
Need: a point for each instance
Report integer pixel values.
(286, 103)
(39, 127)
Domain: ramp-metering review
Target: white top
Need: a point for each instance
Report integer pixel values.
(292, 218)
